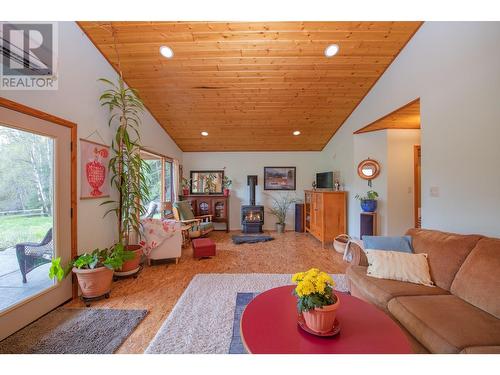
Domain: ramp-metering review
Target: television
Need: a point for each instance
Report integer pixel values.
(324, 180)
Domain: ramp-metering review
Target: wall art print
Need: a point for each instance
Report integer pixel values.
(279, 178)
(94, 159)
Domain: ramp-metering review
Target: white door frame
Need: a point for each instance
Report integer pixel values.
(26, 118)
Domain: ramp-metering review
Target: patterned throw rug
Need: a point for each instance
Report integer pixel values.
(75, 331)
(203, 318)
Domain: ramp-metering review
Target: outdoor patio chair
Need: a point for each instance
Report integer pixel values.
(151, 211)
(31, 255)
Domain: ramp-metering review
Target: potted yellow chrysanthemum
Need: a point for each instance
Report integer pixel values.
(317, 301)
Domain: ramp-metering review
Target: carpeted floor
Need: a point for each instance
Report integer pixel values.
(75, 331)
(202, 320)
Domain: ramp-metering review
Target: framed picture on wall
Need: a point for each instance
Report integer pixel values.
(94, 159)
(279, 178)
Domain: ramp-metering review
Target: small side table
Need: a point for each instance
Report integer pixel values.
(367, 224)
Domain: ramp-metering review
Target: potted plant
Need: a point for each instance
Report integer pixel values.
(186, 184)
(316, 300)
(94, 271)
(280, 206)
(126, 167)
(368, 201)
(226, 184)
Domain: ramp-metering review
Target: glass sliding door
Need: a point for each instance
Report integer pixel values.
(35, 216)
(26, 214)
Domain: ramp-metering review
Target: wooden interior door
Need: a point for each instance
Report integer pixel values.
(417, 189)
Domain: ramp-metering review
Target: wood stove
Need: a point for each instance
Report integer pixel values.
(252, 215)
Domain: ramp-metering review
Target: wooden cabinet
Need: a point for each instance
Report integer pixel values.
(325, 214)
(215, 205)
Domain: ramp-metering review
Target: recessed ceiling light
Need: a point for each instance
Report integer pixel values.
(166, 52)
(205, 134)
(331, 50)
(296, 132)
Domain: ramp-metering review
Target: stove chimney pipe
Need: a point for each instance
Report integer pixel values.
(252, 182)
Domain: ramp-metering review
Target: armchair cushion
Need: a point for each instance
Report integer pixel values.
(185, 210)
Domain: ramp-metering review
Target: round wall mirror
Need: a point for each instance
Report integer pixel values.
(368, 169)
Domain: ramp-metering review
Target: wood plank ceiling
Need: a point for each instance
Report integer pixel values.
(406, 117)
(250, 85)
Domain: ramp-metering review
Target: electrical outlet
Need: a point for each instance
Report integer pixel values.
(434, 191)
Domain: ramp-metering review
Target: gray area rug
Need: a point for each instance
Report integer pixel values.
(251, 239)
(75, 331)
(202, 320)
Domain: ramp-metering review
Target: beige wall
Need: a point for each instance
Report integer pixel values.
(453, 67)
(77, 100)
(240, 164)
(400, 176)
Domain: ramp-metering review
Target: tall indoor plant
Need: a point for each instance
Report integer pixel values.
(279, 208)
(126, 166)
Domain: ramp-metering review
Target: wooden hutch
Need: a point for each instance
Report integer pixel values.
(216, 205)
(325, 214)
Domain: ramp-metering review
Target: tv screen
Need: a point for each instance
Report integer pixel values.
(324, 180)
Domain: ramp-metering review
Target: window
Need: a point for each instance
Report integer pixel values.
(160, 180)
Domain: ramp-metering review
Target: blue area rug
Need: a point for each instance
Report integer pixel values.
(242, 300)
(251, 239)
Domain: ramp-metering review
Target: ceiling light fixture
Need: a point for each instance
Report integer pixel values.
(331, 50)
(205, 134)
(296, 132)
(166, 52)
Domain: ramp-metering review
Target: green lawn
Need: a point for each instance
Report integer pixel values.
(15, 229)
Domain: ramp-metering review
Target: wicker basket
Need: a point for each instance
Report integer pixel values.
(340, 243)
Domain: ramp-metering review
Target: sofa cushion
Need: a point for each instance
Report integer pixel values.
(481, 350)
(478, 280)
(394, 265)
(446, 252)
(381, 291)
(445, 323)
(394, 243)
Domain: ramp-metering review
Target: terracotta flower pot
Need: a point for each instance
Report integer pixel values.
(185, 191)
(226, 192)
(132, 264)
(95, 282)
(322, 319)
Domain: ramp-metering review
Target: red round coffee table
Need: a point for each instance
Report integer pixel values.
(269, 326)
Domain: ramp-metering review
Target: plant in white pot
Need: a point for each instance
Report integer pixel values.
(279, 207)
(127, 169)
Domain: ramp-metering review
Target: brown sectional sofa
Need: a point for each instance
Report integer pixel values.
(462, 313)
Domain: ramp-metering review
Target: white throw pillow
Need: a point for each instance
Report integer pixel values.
(395, 265)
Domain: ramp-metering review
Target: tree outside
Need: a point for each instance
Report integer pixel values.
(26, 186)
